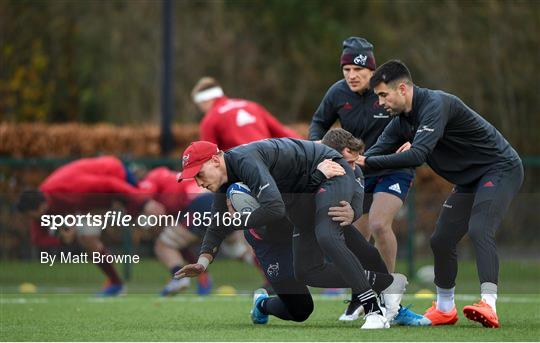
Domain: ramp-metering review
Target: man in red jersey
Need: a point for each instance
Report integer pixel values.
(86, 186)
(232, 122)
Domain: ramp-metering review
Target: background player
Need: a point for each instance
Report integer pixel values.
(231, 122)
(83, 186)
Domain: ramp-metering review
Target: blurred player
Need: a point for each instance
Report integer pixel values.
(461, 146)
(173, 242)
(232, 122)
(355, 105)
(265, 167)
(88, 185)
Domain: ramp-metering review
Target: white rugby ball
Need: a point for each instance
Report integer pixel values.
(241, 199)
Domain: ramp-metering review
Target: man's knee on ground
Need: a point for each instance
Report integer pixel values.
(302, 312)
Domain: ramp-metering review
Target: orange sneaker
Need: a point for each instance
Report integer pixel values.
(438, 317)
(483, 313)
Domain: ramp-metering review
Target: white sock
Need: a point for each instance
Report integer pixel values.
(488, 292)
(445, 299)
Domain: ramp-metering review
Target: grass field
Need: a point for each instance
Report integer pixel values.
(64, 309)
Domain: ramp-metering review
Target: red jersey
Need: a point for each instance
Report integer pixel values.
(85, 185)
(232, 122)
(161, 184)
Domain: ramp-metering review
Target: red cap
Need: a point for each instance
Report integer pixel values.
(194, 157)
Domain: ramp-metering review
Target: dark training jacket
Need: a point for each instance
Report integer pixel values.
(270, 168)
(360, 114)
(455, 141)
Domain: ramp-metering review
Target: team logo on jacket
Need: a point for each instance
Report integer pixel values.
(347, 106)
(380, 116)
(273, 270)
(360, 59)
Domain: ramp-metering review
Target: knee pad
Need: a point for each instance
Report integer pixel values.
(172, 238)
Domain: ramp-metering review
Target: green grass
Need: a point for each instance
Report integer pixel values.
(65, 310)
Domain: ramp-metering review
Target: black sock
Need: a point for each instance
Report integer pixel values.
(175, 269)
(379, 281)
(368, 299)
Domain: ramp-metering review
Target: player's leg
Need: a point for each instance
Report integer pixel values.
(167, 249)
(381, 216)
(330, 238)
(293, 300)
(362, 224)
(89, 238)
(451, 226)
(389, 194)
(492, 199)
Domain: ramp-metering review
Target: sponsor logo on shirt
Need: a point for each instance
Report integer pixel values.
(395, 187)
(243, 117)
(425, 128)
(380, 116)
(360, 59)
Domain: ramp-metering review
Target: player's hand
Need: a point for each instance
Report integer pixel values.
(330, 168)
(404, 147)
(361, 161)
(190, 270)
(343, 214)
(153, 207)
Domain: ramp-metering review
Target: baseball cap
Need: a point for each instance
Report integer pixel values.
(194, 157)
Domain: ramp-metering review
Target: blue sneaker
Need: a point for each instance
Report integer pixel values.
(257, 317)
(111, 290)
(407, 317)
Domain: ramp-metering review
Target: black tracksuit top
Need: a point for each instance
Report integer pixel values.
(269, 168)
(360, 114)
(454, 140)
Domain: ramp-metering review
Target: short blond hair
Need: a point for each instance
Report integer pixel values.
(204, 83)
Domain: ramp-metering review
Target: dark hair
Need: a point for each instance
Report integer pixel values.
(390, 71)
(30, 200)
(340, 139)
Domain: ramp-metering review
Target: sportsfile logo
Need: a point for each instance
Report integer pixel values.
(360, 59)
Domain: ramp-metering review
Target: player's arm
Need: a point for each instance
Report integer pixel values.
(430, 130)
(325, 116)
(213, 237)
(263, 187)
(389, 141)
